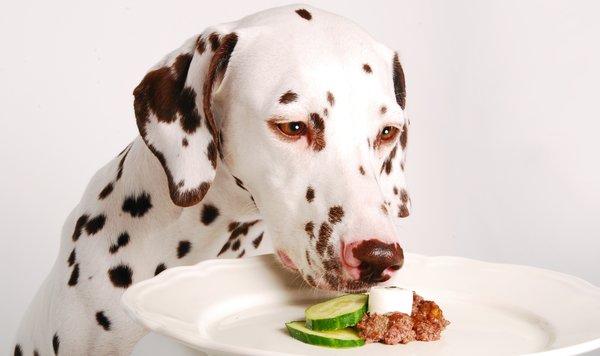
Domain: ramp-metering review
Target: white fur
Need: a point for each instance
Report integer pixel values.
(277, 51)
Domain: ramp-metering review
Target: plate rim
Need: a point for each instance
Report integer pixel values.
(211, 346)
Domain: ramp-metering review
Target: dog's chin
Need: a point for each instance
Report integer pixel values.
(344, 286)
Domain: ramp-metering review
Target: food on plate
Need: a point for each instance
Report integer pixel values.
(425, 323)
(336, 313)
(390, 315)
(341, 338)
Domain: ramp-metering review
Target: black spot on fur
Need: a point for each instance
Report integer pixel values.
(36, 353)
(122, 162)
(106, 191)
(161, 267)
(79, 226)
(211, 154)
(122, 240)
(184, 142)
(336, 214)
(403, 211)
(95, 224)
(239, 183)
(71, 259)
(55, 343)
(236, 245)
(241, 229)
(288, 97)
(103, 320)
(361, 170)
(190, 119)
(318, 126)
(120, 276)
(367, 68)
(310, 194)
(18, 351)
(383, 109)
(137, 206)
(74, 276)
(209, 214)
(399, 83)
(224, 248)
(309, 228)
(257, 240)
(241, 254)
(183, 248)
(304, 14)
(324, 235)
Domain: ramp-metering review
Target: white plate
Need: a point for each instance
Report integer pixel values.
(239, 307)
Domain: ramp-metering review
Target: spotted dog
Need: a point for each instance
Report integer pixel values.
(287, 126)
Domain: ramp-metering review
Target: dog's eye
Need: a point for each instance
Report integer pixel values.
(389, 133)
(293, 129)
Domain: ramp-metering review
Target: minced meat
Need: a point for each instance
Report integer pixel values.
(425, 323)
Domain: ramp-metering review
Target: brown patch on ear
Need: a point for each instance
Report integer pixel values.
(214, 41)
(159, 92)
(218, 66)
(318, 128)
(304, 14)
(367, 68)
(200, 45)
(399, 84)
(288, 97)
(330, 98)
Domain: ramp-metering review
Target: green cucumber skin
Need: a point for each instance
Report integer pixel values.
(321, 340)
(339, 322)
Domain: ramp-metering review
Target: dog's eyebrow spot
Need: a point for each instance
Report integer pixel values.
(367, 68)
(310, 194)
(330, 98)
(304, 14)
(361, 170)
(214, 41)
(383, 109)
(288, 97)
(102, 320)
(336, 214)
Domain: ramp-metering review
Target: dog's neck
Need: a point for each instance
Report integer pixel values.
(210, 224)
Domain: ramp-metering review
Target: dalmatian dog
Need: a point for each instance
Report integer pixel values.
(287, 126)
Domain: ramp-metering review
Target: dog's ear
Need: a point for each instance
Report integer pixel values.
(173, 111)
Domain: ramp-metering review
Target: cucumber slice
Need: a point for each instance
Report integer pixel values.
(337, 338)
(336, 313)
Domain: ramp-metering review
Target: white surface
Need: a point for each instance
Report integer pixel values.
(502, 95)
(494, 309)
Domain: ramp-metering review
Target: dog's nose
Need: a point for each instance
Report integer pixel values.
(373, 261)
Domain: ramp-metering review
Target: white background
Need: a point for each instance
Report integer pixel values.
(503, 98)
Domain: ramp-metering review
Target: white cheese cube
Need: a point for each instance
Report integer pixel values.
(390, 299)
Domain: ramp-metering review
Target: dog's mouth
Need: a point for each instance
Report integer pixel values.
(332, 276)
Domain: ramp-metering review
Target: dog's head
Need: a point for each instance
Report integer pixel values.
(306, 110)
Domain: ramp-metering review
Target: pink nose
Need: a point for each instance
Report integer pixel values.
(372, 260)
